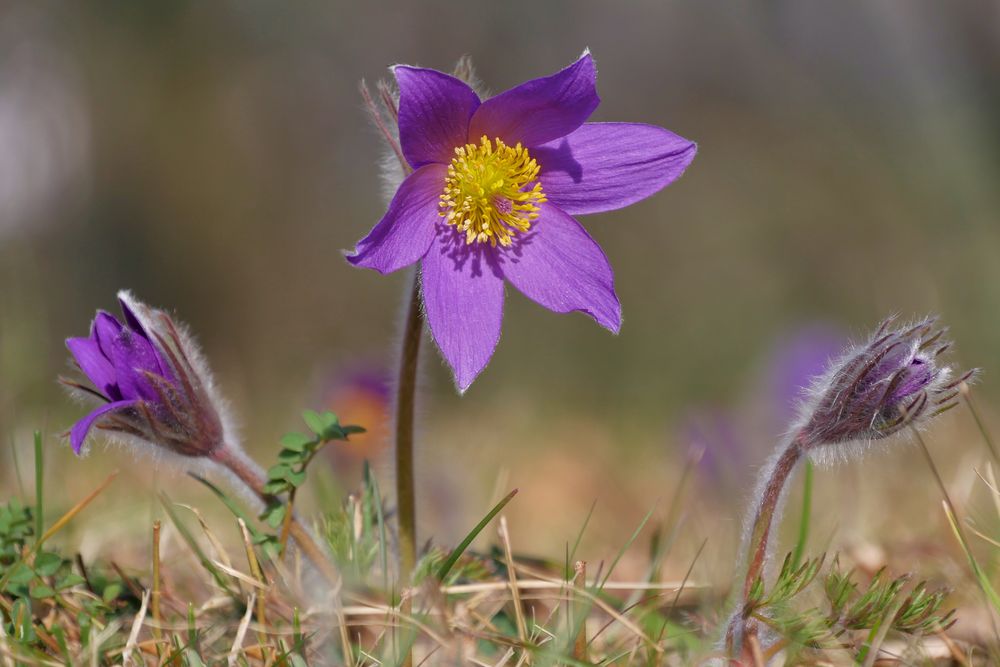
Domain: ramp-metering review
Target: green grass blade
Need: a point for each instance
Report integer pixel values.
(627, 546)
(192, 543)
(17, 466)
(39, 486)
(807, 488)
(232, 506)
(579, 536)
(382, 535)
(981, 578)
(464, 544)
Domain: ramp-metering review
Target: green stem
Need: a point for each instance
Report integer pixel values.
(800, 544)
(405, 398)
(39, 486)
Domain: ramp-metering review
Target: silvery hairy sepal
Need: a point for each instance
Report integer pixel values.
(878, 388)
(152, 382)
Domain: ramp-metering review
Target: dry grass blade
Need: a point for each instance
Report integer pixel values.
(218, 550)
(8, 661)
(259, 575)
(76, 509)
(522, 632)
(580, 640)
(133, 636)
(155, 600)
(241, 632)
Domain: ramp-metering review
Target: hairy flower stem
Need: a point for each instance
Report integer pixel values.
(255, 480)
(767, 503)
(406, 392)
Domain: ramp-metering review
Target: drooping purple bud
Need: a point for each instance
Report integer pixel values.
(876, 389)
(153, 382)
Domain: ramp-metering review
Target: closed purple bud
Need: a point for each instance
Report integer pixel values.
(152, 380)
(875, 390)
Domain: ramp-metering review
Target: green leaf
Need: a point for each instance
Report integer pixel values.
(47, 563)
(314, 421)
(464, 544)
(276, 486)
(70, 580)
(296, 479)
(21, 574)
(296, 442)
(111, 592)
(290, 456)
(42, 592)
(274, 515)
(351, 429)
(278, 471)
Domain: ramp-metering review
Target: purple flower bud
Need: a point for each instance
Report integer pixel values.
(879, 388)
(152, 380)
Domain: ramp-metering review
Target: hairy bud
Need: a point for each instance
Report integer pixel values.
(152, 380)
(875, 390)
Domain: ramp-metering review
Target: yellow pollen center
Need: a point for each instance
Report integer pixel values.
(492, 191)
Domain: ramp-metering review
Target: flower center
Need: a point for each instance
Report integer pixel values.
(489, 193)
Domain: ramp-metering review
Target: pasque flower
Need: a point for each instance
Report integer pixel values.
(156, 392)
(491, 194)
(876, 389)
(152, 383)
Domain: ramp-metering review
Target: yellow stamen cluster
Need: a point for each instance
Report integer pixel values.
(487, 193)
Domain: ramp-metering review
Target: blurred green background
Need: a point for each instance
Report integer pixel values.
(216, 159)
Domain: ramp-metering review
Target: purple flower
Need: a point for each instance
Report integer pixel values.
(491, 195)
(152, 382)
(879, 388)
(802, 355)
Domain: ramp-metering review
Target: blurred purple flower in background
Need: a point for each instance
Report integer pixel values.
(728, 439)
(152, 381)
(491, 195)
(359, 394)
(800, 357)
(715, 434)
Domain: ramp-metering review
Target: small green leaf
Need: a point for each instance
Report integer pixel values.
(296, 478)
(47, 563)
(111, 592)
(21, 574)
(290, 456)
(314, 421)
(70, 580)
(296, 442)
(274, 515)
(276, 486)
(42, 592)
(278, 471)
(351, 429)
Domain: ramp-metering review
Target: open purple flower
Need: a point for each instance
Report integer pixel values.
(151, 380)
(491, 195)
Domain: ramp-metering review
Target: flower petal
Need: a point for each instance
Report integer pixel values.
(104, 330)
(94, 365)
(406, 230)
(434, 113)
(129, 306)
(540, 110)
(78, 434)
(133, 356)
(605, 166)
(463, 297)
(559, 266)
